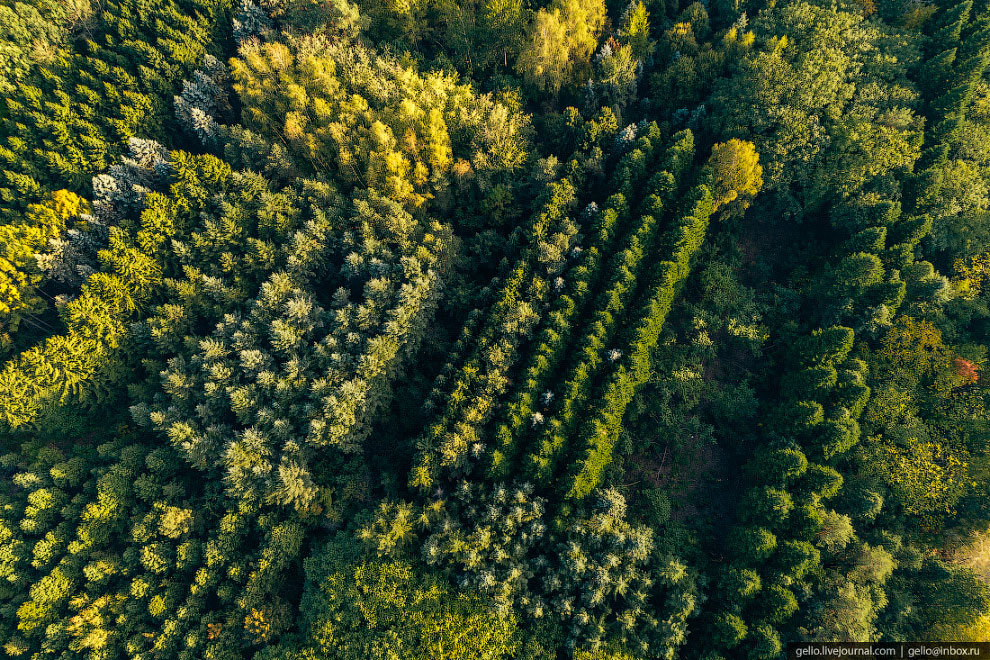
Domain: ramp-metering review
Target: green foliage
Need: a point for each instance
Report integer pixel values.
(800, 86)
(353, 605)
(32, 36)
(340, 329)
(26, 255)
(72, 116)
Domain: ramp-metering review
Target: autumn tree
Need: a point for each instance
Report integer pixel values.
(559, 43)
(635, 30)
(736, 172)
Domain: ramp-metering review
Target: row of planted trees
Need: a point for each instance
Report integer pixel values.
(568, 373)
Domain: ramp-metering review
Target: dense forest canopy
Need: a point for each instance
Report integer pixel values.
(439, 330)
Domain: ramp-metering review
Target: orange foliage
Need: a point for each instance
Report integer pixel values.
(868, 7)
(965, 370)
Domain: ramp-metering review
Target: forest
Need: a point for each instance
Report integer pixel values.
(492, 329)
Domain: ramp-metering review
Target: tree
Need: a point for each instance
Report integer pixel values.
(373, 121)
(836, 533)
(23, 258)
(972, 275)
(764, 643)
(502, 24)
(27, 37)
(544, 60)
(560, 41)
(852, 596)
(203, 102)
(635, 30)
(616, 75)
(354, 606)
(736, 172)
(914, 348)
(927, 478)
(809, 124)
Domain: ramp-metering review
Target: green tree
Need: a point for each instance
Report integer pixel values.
(811, 124)
(353, 606)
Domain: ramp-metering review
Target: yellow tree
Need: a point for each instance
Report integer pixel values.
(584, 20)
(928, 478)
(20, 275)
(636, 30)
(560, 41)
(737, 175)
(971, 275)
(544, 59)
(914, 348)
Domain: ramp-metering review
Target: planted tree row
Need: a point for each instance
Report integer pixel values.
(958, 52)
(732, 174)
(782, 512)
(550, 346)
(449, 442)
(600, 430)
(471, 389)
(616, 293)
(785, 525)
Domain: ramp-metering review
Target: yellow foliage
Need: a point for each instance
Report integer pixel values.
(778, 45)
(66, 205)
(971, 275)
(12, 281)
(736, 173)
(584, 20)
(95, 622)
(867, 7)
(544, 61)
(19, 243)
(295, 123)
(603, 654)
(732, 38)
(977, 631)
(438, 143)
(257, 626)
(915, 345)
(561, 41)
(637, 31)
(975, 554)
(928, 477)
(397, 140)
